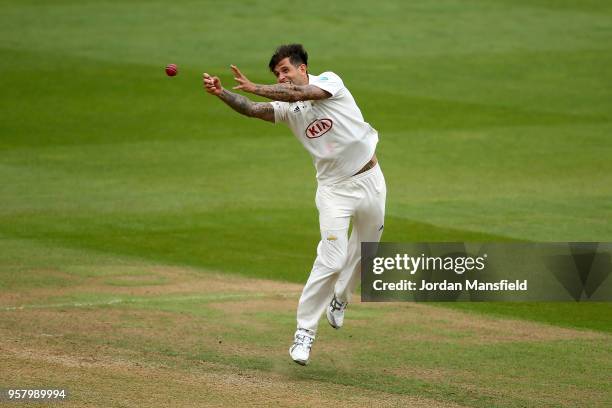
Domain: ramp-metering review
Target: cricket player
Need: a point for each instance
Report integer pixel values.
(323, 116)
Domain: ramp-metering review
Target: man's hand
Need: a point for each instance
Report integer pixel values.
(243, 82)
(212, 85)
(239, 103)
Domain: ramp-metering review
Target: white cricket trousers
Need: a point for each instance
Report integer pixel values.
(337, 268)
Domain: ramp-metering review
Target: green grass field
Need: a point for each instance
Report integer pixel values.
(153, 243)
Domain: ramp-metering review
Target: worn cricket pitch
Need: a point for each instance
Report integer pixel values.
(128, 333)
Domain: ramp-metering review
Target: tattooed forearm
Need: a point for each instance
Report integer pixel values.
(239, 103)
(290, 92)
(262, 110)
(279, 92)
(245, 106)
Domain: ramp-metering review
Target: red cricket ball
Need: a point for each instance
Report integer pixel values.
(171, 70)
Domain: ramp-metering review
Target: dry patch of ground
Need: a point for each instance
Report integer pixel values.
(108, 381)
(164, 281)
(472, 328)
(154, 350)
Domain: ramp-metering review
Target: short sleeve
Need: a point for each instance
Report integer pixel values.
(328, 81)
(280, 111)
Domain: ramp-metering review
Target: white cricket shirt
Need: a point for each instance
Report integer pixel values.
(332, 130)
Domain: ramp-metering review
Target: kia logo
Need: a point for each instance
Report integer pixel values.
(318, 128)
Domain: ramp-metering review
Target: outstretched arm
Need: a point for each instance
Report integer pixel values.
(239, 103)
(245, 106)
(290, 92)
(279, 92)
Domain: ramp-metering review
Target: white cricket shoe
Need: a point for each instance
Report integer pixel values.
(335, 313)
(300, 350)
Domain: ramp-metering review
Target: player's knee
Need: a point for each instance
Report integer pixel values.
(335, 264)
(332, 256)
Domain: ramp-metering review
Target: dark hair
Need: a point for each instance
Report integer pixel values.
(296, 53)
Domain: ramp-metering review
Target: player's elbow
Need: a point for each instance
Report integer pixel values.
(295, 96)
(298, 93)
